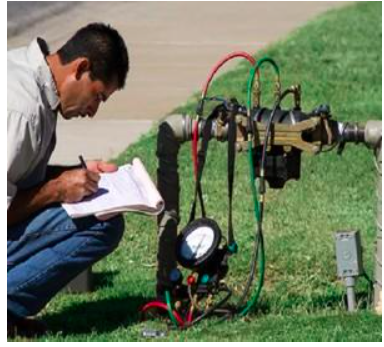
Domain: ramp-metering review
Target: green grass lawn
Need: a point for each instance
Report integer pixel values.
(337, 60)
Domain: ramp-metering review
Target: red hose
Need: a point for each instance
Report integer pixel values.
(163, 306)
(190, 315)
(195, 133)
(230, 56)
(195, 139)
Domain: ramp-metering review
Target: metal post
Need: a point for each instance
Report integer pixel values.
(351, 296)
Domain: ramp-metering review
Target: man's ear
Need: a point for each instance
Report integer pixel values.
(82, 66)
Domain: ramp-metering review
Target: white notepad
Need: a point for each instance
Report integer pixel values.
(130, 188)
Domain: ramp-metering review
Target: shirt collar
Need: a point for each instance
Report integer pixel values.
(37, 51)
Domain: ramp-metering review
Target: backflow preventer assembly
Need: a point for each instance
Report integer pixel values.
(273, 139)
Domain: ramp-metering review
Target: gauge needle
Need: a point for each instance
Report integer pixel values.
(198, 246)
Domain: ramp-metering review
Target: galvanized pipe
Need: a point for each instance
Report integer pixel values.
(379, 240)
(373, 139)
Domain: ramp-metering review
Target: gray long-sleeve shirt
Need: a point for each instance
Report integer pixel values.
(32, 103)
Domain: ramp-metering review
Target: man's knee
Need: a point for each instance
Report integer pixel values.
(113, 232)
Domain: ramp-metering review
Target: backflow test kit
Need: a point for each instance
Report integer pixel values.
(273, 140)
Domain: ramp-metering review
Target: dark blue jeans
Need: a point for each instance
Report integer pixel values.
(47, 251)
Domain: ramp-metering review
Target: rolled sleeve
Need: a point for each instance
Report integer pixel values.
(11, 192)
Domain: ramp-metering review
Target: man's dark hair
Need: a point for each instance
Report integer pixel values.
(105, 50)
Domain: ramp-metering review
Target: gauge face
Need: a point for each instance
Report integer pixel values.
(197, 243)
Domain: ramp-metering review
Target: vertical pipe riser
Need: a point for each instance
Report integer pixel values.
(169, 187)
(378, 265)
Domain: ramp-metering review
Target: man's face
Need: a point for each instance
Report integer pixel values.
(81, 96)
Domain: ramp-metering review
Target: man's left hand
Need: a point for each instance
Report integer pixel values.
(99, 166)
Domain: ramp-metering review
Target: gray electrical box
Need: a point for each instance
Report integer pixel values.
(348, 254)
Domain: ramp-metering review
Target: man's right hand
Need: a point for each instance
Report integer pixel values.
(69, 186)
(74, 185)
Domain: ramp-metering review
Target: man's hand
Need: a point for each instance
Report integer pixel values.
(69, 186)
(99, 166)
(63, 186)
(74, 185)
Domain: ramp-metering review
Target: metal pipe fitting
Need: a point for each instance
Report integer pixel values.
(351, 132)
(181, 126)
(372, 133)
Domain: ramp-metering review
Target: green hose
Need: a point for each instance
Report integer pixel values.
(260, 240)
(251, 78)
(253, 184)
(171, 315)
(260, 284)
(257, 206)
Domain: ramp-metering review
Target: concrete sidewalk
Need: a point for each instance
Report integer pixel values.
(101, 139)
(172, 47)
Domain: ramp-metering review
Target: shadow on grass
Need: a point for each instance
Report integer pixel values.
(109, 314)
(103, 279)
(101, 316)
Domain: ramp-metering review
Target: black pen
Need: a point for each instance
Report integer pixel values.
(83, 163)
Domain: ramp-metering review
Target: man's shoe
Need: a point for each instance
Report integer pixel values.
(24, 327)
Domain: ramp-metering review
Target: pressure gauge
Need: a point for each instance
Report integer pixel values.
(198, 243)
